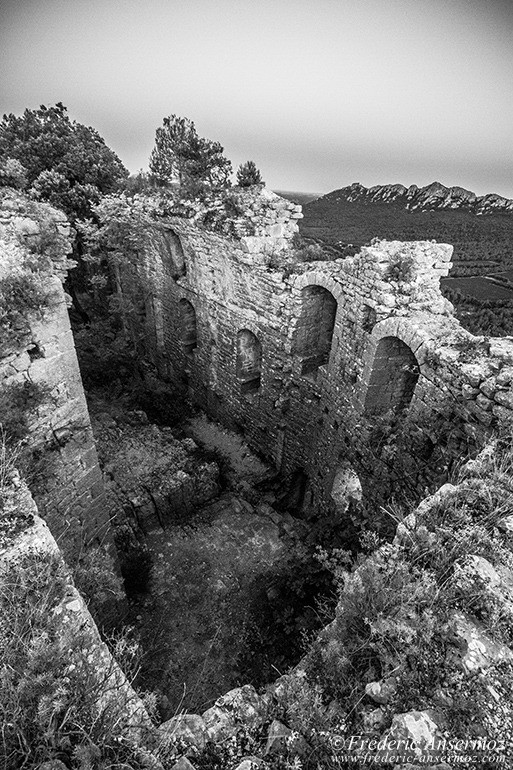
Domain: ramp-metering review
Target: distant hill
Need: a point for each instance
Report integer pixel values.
(480, 228)
(297, 197)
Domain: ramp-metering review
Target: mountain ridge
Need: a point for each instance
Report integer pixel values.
(434, 196)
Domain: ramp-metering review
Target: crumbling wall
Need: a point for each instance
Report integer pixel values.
(320, 360)
(63, 473)
(81, 687)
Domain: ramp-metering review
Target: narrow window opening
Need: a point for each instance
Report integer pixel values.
(249, 361)
(369, 318)
(188, 327)
(315, 329)
(174, 255)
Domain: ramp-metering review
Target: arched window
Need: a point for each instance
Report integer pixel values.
(174, 258)
(394, 375)
(315, 328)
(249, 361)
(188, 331)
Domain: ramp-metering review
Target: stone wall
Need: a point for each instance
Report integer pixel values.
(325, 332)
(63, 473)
(47, 615)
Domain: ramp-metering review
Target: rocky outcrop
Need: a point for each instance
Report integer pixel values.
(158, 478)
(431, 197)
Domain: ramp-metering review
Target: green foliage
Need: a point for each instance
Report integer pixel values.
(22, 295)
(401, 269)
(384, 610)
(66, 163)
(182, 157)
(141, 183)
(288, 606)
(481, 315)
(248, 174)
(105, 354)
(12, 174)
(96, 580)
(18, 404)
(25, 285)
(481, 243)
(393, 618)
(135, 560)
(54, 704)
(304, 250)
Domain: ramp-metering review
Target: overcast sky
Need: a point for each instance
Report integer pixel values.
(319, 93)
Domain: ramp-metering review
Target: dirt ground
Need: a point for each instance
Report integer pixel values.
(243, 463)
(195, 621)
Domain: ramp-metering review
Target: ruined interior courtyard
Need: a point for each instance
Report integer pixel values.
(314, 396)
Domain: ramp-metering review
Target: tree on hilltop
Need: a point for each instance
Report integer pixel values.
(183, 158)
(66, 163)
(248, 174)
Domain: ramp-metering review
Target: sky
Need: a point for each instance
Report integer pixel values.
(319, 93)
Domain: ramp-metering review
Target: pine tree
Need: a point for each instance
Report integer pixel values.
(182, 157)
(248, 174)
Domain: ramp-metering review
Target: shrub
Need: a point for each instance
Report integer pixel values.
(18, 404)
(54, 704)
(96, 579)
(135, 560)
(12, 174)
(20, 297)
(401, 269)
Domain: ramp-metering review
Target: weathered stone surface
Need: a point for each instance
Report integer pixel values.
(189, 728)
(31, 543)
(381, 692)
(277, 738)
(250, 763)
(417, 730)
(479, 650)
(240, 705)
(146, 464)
(307, 404)
(72, 499)
(183, 764)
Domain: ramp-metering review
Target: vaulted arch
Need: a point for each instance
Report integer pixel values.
(393, 377)
(315, 326)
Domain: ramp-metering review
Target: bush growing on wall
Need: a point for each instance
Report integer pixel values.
(18, 403)
(54, 703)
(393, 621)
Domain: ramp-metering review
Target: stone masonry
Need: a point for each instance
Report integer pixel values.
(67, 482)
(339, 350)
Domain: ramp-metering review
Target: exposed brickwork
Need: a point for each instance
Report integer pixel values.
(308, 412)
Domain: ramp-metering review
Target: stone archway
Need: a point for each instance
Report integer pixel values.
(393, 377)
(314, 330)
